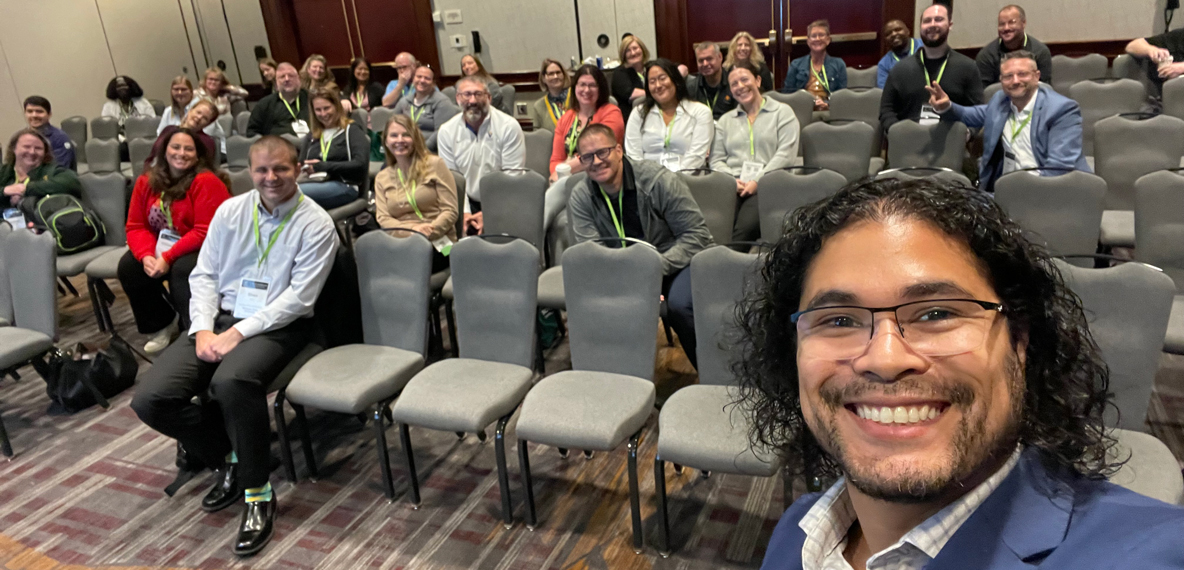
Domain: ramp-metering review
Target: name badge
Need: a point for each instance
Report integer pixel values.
(671, 161)
(252, 296)
(751, 171)
(929, 116)
(165, 241)
(443, 245)
(300, 127)
(1009, 162)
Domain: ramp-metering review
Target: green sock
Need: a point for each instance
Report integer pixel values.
(259, 493)
(231, 457)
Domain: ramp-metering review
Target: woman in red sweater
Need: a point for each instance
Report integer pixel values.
(171, 208)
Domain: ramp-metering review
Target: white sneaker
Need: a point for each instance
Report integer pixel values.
(160, 340)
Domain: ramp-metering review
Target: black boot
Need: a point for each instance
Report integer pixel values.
(226, 489)
(187, 462)
(256, 527)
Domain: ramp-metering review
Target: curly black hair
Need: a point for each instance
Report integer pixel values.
(133, 88)
(1067, 381)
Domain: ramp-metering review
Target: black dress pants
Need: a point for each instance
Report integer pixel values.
(233, 413)
(153, 306)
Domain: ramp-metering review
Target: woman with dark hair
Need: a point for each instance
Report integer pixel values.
(125, 99)
(588, 105)
(267, 67)
(29, 171)
(669, 127)
(171, 208)
(471, 66)
(554, 81)
(426, 105)
(360, 92)
(335, 154)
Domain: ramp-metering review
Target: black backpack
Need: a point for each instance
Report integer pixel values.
(74, 227)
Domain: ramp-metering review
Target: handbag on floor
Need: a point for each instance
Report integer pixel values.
(78, 379)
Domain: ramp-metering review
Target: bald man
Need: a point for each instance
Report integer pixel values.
(284, 112)
(900, 43)
(405, 65)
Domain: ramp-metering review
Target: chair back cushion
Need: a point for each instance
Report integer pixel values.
(1159, 223)
(829, 146)
(1127, 149)
(715, 193)
(495, 287)
(782, 192)
(538, 151)
(106, 194)
(912, 144)
(33, 288)
(720, 276)
(1067, 71)
(102, 155)
(1099, 100)
(393, 275)
(512, 203)
(1063, 212)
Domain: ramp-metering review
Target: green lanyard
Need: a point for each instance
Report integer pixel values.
(1015, 132)
(822, 80)
(415, 116)
(669, 130)
(617, 223)
(940, 72)
(912, 50)
(275, 235)
(290, 111)
(167, 210)
(555, 110)
(573, 135)
(751, 140)
(410, 193)
(325, 142)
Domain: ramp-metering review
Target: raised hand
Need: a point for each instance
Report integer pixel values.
(937, 97)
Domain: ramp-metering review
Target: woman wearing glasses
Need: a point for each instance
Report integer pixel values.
(554, 83)
(427, 106)
(818, 72)
(669, 127)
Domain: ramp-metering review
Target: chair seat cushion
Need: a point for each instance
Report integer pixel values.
(446, 290)
(1118, 228)
(577, 409)
(462, 394)
(348, 379)
(875, 166)
(1173, 341)
(106, 266)
(1152, 469)
(438, 279)
(18, 345)
(700, 428)
(75, 263)
(551, 289)
(293, 366)
(343, 212)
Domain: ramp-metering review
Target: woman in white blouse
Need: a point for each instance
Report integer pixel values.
(669, 127)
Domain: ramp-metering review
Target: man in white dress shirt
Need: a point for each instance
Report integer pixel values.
(263, 264)
(478, 141)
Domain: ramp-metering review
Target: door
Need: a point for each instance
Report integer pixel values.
(603, 22)
(719, 20)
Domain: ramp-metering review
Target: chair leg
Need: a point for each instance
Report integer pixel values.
(69, 286)
(281, 428)
(94, 304)
(663, 517)
(634, 494)
(503, 477)
(384, 460)
(5, 445)
(527, 484)
(435, 338)
(669, 335)
(405, 434)
(451, 318)
(106, 299)
(310, 460)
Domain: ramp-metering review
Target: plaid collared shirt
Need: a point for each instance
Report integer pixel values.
(827, 522)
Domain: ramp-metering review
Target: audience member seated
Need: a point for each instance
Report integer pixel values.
(628, 78)
(905, 96)
(1166, 54)
(265, 260)
(471, 66)
(29, 172)
(758, 137)
(710, 86)
(267, 68)
(405, 64)
(1025, 125)
(900, 43)
(818, 72)
(217, 88)
(415, 190)
(743, 48)
(554, 82)
(427, 106)
(284, 112)
(315, 73)
(627, 198)
(37, 115)
(201, 117)
(171, 208)
(335, 162)
(125, 99)
(360, 92)
(1012, 36)
(978, 442)
(181, 99)
(478, 141)
(669, 128)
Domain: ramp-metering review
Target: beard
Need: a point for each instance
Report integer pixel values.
(932, 43)
(475, 113)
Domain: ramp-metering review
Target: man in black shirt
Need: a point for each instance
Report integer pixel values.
(708, 86)
(284, 112)
(1013, 35)
(1165, 53)
(905, 97)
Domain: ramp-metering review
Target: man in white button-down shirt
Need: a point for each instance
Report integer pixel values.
(263, 264)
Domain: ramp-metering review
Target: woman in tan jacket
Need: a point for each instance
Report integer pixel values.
(416, 191)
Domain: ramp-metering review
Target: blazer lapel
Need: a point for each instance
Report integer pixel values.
(1039, 125)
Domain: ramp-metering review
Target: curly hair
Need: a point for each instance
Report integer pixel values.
(1066, 380)
(133, 89)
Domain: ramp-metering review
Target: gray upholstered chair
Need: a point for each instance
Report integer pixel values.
(512, 203)
(141, 127)
(379, 117)
(238, 152)
(715, 194)
(241, 182)
(1150, 469)
(861, 78)
(551, 279)
(226, 122)
(1101, 99)
(364, 378)
(912, 144)
(104, 128)
(802, 103)
(240, 122)
(158, 106)
(1067, 71)
(107, 196)
(1127, 149)
(829, 146)
(102, 155)
(138, 150)
(859, 105)
(1127, 309)
(450, 93)
(538, 151)
(990, 91)
(780, 193)
(360, 117)
(1173, 98)
(607, 397)
(698, 426)
(1063, 212)
(1159, 240)
(934, 172)
(75, 128)
(105, 193)
(508, 96)
(236, 106)
(495, 288)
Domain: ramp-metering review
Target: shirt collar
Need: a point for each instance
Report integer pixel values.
(739, 110)
(1030, 107)
(282, 209)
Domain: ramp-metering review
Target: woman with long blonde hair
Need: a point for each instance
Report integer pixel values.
(336, 155)
(743, 48)
(315, 73)
(218, 89)
(471, 66)
(628, 84)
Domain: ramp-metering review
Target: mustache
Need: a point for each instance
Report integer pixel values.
(956, 393)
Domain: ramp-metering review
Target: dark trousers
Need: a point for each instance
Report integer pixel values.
(233, 413)
(153, 306)
(680, 312)
(748, 220)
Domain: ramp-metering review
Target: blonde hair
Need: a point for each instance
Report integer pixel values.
(481, 72)
(179, 80)
(419, 149)
(202, 103)
(333, 96)
(306, 79)
(222, 80)
(645, 52)
(756, 57)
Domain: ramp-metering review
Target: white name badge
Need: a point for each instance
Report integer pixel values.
(166, 240)
(929, 116)
(671, 161)
(443, 245)
(252, 296)
(751, 171)
(300, 127)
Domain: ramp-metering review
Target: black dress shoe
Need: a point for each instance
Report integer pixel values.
(256, 528)
(186, 461)
(226, 490)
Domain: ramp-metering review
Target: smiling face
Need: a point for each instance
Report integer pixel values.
(587, 91)
(903, 426)
(633, 54)
(273, 171)
(710, 61)
(36, 116)
(424, 80)
(896, 34)
(473, 97)
(818, 39)
(181, 154)
(316, 70)
(468, 65)
(1019, 78)
(212, 84)
(660, 84)
(745, 87)
(1011, 26)
(362, 73)
(743, 49)
(325, 111)
(604, 170)
(198, 118)
(182, 95)
(30, 152)
(267, 72)
(398, 140)
(935, 25)
(553, 77)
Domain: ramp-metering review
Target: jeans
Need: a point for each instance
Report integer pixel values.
(680, 311)
(329, 194)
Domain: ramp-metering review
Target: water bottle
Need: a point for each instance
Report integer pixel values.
(562, 170)
(599, 62)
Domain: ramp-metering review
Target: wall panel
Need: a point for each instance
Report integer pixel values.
(147, 39)
(11, 112)
(324, 30)
(1056, 20)
(510, 33)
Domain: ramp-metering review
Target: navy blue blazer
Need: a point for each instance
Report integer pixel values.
(1035, 519)
(798, 74)
(1056, 130)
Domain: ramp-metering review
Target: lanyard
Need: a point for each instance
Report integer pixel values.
(290, 111)
(325, 142)
(410, 193)
(415, 116)
(1015, 132)
(751, 140)
(25, 181)
(359, 98)
(274, 235)
(619, 224)
(554, 111)
(822, 80)
(940, 72)
(912, 50)
(1025, 41)
(167, 210)
(573, 135)
(669, 131)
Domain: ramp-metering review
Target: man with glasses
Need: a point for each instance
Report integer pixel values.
(708, 86)
(405, 65)
(478, 141)
(817, 72)
(1025, 125)
(284, 112)
(912, 351)
(641, 200)
(1012, 37)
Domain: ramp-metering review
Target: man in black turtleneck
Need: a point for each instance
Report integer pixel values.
(1013, 35)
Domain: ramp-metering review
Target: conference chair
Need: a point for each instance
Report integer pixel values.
(508, 97)
(1126, 67)
(1099, 100)
(236, 106)
(240, 122)
(1127, 149)
(379, 117)
(138, 151)
(1127, 310)
(1150, 469)
(360, 117)
(859, 105)
(1159, 240)
(990, 91)
(607, 397)
(238, 152)
(104, 128)
(241, 182)
(861, 78)
(1069, 70)
(911, 144)
(782, 192)
(802, 103)
(364, 378)
(715, 194)
(104, 192)
(226, 123)
(1063, 211)
(102, 156)
(538, 151)
(1173, 97)
(158, 106)
(698, 426)
(495, 287)
(75, 128)
(141, 127)
(829, 146)
(550, 290)
(450, 93)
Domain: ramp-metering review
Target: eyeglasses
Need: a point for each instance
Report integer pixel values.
(1012, 23)
(1021, 75)
(601, 154)
(554, 74)
(471, 95)
(935, 327)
